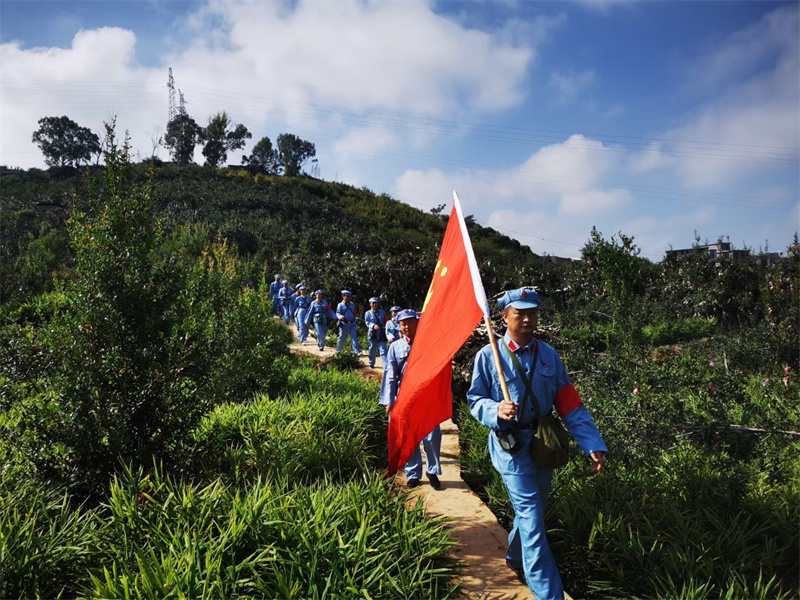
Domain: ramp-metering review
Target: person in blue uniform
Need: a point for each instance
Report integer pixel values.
(285, 301)
(346, 314)
(392, 329)
(302, 304)
(318, 314)
(274, 288)
(375, 318)
(293, 306)
(527, 484)
(396, 359)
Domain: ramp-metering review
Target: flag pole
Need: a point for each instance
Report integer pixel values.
(497, 362)
(480, 294)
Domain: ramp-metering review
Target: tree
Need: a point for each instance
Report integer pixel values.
(65, 143)
(221, 136)
(183, 134)
(264, 156)
(294, 153)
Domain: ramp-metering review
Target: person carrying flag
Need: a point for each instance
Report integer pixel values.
(396, 361)
(346, 313)
(318, 313)
(375, 318)
(535, 377)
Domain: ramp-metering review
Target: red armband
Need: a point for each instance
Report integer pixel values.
(567, 400)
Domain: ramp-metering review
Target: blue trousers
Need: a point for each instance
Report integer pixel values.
(432, 444)
(374, 347)
(345, 331)
(527, 543)
(286, 312)
(322, 332)
(302, 326)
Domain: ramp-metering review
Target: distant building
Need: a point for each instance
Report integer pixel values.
(560, 260)
(770, 259)
(712, 251)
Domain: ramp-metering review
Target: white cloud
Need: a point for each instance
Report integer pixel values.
(748, 126)
(565, 175)
(307, 67)
(741, 53)
(558, 185)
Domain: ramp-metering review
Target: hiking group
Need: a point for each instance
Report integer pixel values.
(515, 403)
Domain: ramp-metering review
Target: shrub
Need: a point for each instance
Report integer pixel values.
(46, 545)
(125, 360)
(328, 426)
(165, 538)
(679, 331)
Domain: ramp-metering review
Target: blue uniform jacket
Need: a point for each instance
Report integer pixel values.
(348, 311)
(392, 330)
(274, 288)
(285, 295)
(377, 317)
(552, 388)
(396, 360)
(318, 311)
(301, 303)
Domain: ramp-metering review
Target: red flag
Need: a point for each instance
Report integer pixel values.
(453, 307)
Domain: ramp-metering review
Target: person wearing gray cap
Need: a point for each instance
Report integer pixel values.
(392, 329)
(375, 318)
(396, 360)
(274, 288)
(346, 313)
(537, 382)
(318, 313)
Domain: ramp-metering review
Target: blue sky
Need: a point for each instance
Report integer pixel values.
(652, 118)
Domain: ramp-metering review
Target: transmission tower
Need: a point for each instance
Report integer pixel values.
(171, 88)
(181, 104)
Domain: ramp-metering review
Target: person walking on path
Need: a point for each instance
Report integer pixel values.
(285, 301)
(293, 306)
(392, 329)
(375, 318)
(319, 312)
(537, 381)
(346, 314)
(302, 304)
(396, 361)
(274, 288)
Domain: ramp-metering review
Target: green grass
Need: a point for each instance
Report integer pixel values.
(688, 506)
(279, 498)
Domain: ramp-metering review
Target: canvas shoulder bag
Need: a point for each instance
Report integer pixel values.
(550, 444)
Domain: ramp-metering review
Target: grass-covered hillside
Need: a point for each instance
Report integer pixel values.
(156, 438)
(329, 234)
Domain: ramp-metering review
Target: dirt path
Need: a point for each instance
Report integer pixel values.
(481, 540)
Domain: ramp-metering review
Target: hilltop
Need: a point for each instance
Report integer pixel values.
(327, 234)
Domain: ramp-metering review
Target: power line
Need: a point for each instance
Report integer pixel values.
(405, 117)
(651, 192)
(502, 174)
